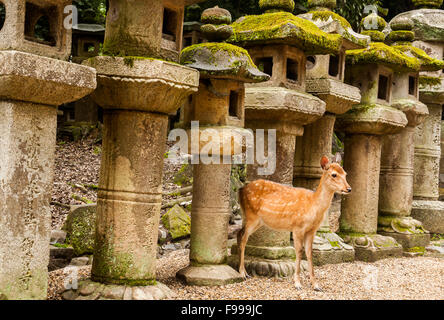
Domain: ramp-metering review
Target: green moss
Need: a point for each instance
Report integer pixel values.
(416, 250)
(284, 27)
(425, 81)
(326, 15)
(61, 245)
(401, 35)
(286, 5)
(427, 3)
(376, 36)
(322, 3)
(380, 53)
(334, 244)
(427, 63)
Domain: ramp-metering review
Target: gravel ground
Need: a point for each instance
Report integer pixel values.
(396, 279)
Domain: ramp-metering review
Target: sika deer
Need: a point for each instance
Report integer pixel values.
(284, 208)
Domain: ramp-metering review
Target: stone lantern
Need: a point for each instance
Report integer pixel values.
(279, 43)
(34, 80)
(373, 71)
(428, 27)
(397, 157)
(191, 29)
(219, 107)
(137, 92)
(325, 79)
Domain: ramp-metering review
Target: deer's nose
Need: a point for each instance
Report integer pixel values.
(349, 190)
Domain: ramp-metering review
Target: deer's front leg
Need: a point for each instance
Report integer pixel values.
(297, 240)
(308, 244)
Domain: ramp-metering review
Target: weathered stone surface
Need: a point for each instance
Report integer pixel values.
(80, 261)
(31, 78)
(89, 290)
(18, 31)
(373, 247)
(80, 227)
(371, 119)
(338, 96)
(128, 83)
(177, 221)
(428, 23)
(209, 275)
(430, 213)
(276, 104)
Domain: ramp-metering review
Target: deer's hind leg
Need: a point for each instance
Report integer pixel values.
(298, 238)
(252, 223)
(308, 244)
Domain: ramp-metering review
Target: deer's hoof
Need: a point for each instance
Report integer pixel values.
(245, 275)
(298, 286)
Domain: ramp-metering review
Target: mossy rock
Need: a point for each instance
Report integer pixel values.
(80, 227)
(330, 4)
(376, 36)
(401, 35)
(222, 60)
(184, 176)
(402, 24)
(427, 3)
(284, 28)
(271, 5)
(177, 222)
(380, 53)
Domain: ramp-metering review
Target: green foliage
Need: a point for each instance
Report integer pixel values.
(91, 11)
(353, 10)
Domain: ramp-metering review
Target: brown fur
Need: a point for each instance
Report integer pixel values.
(285, 208)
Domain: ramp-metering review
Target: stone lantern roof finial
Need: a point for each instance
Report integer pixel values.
(427, 4)
(321, 5)
(276, 5)
(372, 26)
(216, 24)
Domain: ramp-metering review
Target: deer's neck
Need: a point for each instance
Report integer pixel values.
(323, 197)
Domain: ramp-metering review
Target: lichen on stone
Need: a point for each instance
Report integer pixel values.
(376, 36)
(285, 5)
(284, 28)
(380, 53)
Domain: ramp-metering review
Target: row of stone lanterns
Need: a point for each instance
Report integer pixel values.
(139, 83)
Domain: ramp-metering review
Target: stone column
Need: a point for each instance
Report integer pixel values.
(269, 252)
(137, 92)
(32, 84)
(426, 208)
(316, 142)
(219, 106)
(359, 216)
(441, 165)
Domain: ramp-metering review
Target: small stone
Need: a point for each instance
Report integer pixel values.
(70, 295)
(178, 222)
(88, 288)
(155, 292)
(167, 291)
(127, 295)
(80, 228)
(113, 292)
(79, 261)
(140, 294)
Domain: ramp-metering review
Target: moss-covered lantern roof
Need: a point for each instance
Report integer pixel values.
(284, 28)
(380, 53)
(222, 60)
(322, 15)
(402, 38)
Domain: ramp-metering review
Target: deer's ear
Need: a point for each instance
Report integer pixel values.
(324, 163)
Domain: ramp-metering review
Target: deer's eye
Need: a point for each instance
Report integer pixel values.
(334, 175)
